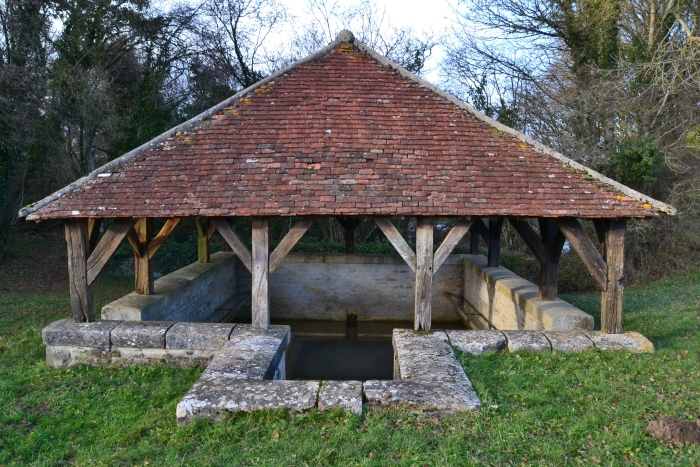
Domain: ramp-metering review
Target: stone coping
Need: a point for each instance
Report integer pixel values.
(356, 258)
(554, 315)
(479, 342)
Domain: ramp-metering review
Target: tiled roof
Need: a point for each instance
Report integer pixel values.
(344, 133)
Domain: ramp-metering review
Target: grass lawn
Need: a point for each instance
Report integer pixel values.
(581, 409)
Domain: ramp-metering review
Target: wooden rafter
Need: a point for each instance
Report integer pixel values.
(451, 240)
(107, 245)
(288, 242)
(230, 237)
(393, 235)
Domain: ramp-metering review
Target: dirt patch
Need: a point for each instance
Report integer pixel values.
(19, 425)
(40, 409)
(674, 430)
(36, 261)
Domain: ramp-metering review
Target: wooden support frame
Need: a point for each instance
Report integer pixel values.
(94, 225)
(288, 242)
(233, 241)
(584, 247)
(453, 237)
(78, 244)
(260, 262)
(547, 248)
(205, 229)
(424, 273)
(106, 247)
(145, 246)
(395, 238)
(494, 242)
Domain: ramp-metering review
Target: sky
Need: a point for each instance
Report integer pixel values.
(421, 15)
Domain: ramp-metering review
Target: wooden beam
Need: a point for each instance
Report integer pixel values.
(393, 235)
(109, 243)
(553, 242)
(532, 240)
(224, 245)
(474, 240)
(288, 242)
(78, 242)
(611, 299)
(482, 229)
(203, 251)
(494, 242)
(583, 246)
(349, 225)
(261, 269)
(143, 265)
(162, 236)
(94, 225)
(424, 273)
(453, 237)
(234, 242)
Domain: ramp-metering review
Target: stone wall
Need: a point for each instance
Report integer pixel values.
(498, 298)
(373, 287)
(198, 292)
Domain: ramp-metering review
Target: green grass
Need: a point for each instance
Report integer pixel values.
(581, 409)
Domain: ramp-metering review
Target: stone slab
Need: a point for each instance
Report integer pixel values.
(346, 395)
(140, 334)
(198, 336)
(631, 341)
(66, 332)
(67, 356)
(250, 354)
(477, 342)
(426, 356)
(422, 395)
(568, 341)
(228, 395)
(528, 341)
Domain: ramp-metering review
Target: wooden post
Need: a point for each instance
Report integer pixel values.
(473, 241)
(78, 242)
(495, 227)
(553, 242)
(611, 300)
(205, 229)
(424, 273)
(349, 224)
(260, 272)
(143, 264)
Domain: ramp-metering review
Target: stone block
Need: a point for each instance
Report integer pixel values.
(140, 334)
(250, 354)
(477, 342)
(66, 332)
(528, 341)
(568, 341)
(173, 358)
(198, 336)
(426, 356)
(422, 395)
(346, 395)
(631, 341)
(67, 356)
(228, 395)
